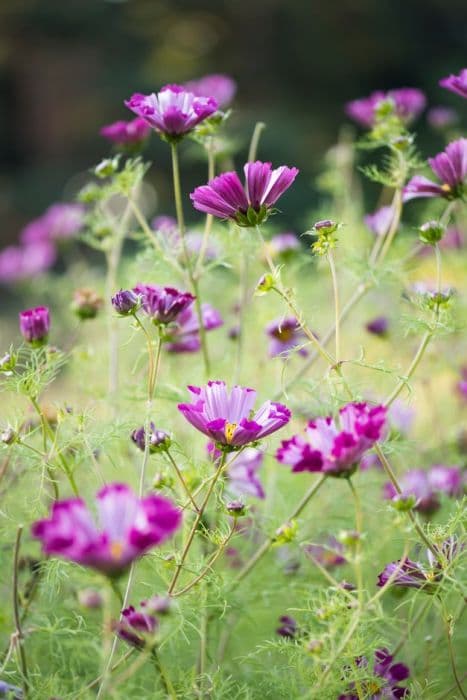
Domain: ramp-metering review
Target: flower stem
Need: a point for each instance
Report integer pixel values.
(212, 560)
(209, 217)
(452, 659)
(335, 288)
(258, 130)
(358, 544)
(162, 672)
(182, 480)
(16, 613)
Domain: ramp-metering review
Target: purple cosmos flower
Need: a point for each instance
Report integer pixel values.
(173, 112)
(442, 117)
(283, 244)
(416, 483)
(448, 480)
(401, 417)
(462, 384)
(335, 449)
(59, 221)
(128, 527)
(378, 326)
(456, 83)
(158, 439)
(404, 573)
(286, 334)
(184, 337)
(386, 684)
(34, 324)
(225, 197)
(329, 554)
(380, 221)
(137, 627)
(408, 104)
(242, 474)
(226, 417)
(126, 302)
(221, 87)
(126, 133)
(288, 627)
(18, 263)
(450, 167)
(163, 304)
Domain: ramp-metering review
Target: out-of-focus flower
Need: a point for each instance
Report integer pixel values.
(225, 197)
(226, 417)
(11, 692)
(126, 302)
(127, 133)
(34, 325)
(283, 244)
(19, 263)
(286, 334)
(173, 111)
(405, 573)
(456, 83)
(90, 598)
(408, 105)
(401, 417)
(447, 479)
(378, 326)
(86, 303)
(184, 337)
(217, 85)
(329, 554)
(442, 117)
(450, 166)
(242, 474)
(380, 221)
(288, 627)
(385, 685)
(416, 483)
(137, 627)
(335, 448)
(159, 440)
(128, 527)
(59, 221)
(163, 304)
(461, 385)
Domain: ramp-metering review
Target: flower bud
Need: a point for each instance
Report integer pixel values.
(402, 143)
(403, 503)
(162, 480)
(86, 303)
(431, 232)
(314, 646)
(286, 533)
(7, 363)
(349, 538)
(159, 604)
(126, 302)
(325, 227)
(159, 440)
(106, 167)
(34, 325)
(236, 509)
(265, 283)
(9, 436)
(90, 598)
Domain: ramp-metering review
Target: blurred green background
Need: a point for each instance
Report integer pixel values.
(66, 67)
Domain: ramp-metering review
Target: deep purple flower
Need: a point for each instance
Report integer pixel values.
(126, 133)
(378, 326)
(404, 573)
(126, 302)
(12, 692)
(450, 167)
(34, 324)
(242, 474)
(221, 87)
(329, 554)
(184, 337)
(288, 627)
(163, 304)
(286, 334)
(136, 627)
(225, 197)
(173, 111)
(385, 685)
(448, 480)
(442, 117)
(456, 83)
(23, 262)
(158, 439)
(416, 483)
(128, 527)
(59, 221)
(380, 221)
(335, 448)
(283, 244)
(226, 417)
(408, 104)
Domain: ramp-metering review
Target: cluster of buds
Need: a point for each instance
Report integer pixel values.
(326, 240)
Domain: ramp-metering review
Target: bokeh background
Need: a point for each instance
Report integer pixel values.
(66, 67)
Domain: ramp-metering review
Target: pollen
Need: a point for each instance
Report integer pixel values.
(229, 431)
(445, 187)
(116, 549)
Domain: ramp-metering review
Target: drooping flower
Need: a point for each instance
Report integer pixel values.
(126, 133)
(456, 83)
(450, 166)
(159, 440)
(34, 324)
(329, 553)
(242, 474)
(184, 337)
(126, 302)
(416, 483)
(163, 304)
(226, 418)
(173, 111)
(288, 627)
(137, 627)
(335, 448)
(286, 334)
(128, 527)
(378, 326)
(226, 198)
(217, 85)
(408, 104)
(385, 684)
(380, 221)
(442, 117)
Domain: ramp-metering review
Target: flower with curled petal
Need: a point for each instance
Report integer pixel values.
(450, 166)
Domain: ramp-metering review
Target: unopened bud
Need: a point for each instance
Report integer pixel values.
(265, 283)
(9, 436)
(431, 232)
(286, 533)
(106, 167)
(236, 509)
(403, 503)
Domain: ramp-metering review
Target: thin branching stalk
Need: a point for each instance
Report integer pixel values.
(254, 143)
(452, 660)
(17, 616)
(163, 675)
(357, 554)
(182, 480)
(210, 150)
(411, 626)
(335, 288)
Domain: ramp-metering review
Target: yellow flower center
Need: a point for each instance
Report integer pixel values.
(285, 333)
(116, 549)
(445, 187)
(229, 431)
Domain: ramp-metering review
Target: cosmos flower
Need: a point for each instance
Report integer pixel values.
(26, 261)
(242, 474)
(385, 684)
(450, 166)
(184, 336)
(126, 302)
(288, 627)
(414, 482)
(380, 221)
(378, 326)
(217, 85)
(329, 553)
(442, 117)
(163, 304)
(456, 83)
(126, 133)
(34, 325)
(158, 439)
(286, 334)
(60, 221)
(408, 104)
(137, 627)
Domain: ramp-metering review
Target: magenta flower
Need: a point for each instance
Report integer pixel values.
(227, 418)
(221, 87)
(456, 83)
(172, 112)
(225, 197)
(159, 440)
(406, 573)
(59, 221)
(408, 105)
(329, 554)
(335, 448)
(450, 167)
(442, 117)
(184, 337)
(137, 627)
(416, 483)
(385, 685)
(448, 480)
(21, 263)
(378, 326)
(126, 302)
(242, 474)
(380, 221)
(127, 133)
(163, 304)
(128, 527)
(34, 325)
(286, 334)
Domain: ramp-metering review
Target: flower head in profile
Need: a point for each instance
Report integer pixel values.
(380, 221)
(404, 573)
(184, 336)
(228, 418)
(216, 85)
(137, 627)
(242, 473)
(378, 326)
(159, 440)
(126, 302)
(173, 111)
(127, 528)
(226, 198)
(163, 304)
(387, 676)
(126, 134)
(456, 83)
(34, 325)
(408, 103)
(450, 167)
(335, 447)
(285, 334)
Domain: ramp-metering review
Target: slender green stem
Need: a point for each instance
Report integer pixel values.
(118, 594)
(335, 288)
(212, 560)
(209, 217)
(16, 613)
(358, 544)
(411, 626)
(258, 130)
(243, 306)
(413, 366)
(397, 206)
(163, 675)
(182, 480)
(453, 660)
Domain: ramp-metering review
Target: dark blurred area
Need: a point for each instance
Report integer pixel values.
(67, 66)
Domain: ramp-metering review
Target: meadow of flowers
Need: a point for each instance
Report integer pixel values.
(232, 455)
